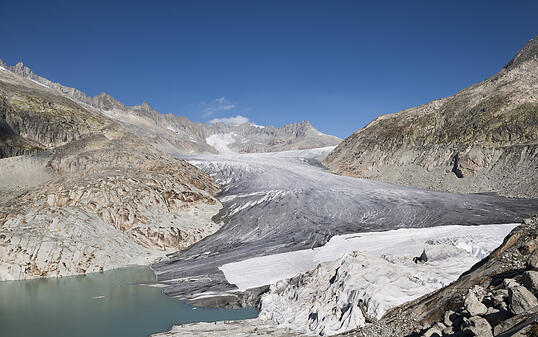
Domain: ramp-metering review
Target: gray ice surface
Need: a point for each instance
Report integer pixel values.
(279, 202)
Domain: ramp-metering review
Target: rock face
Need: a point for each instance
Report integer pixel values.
(521, 300)
(179, 135)
(92, 196)
(495, 283)
(482, 139)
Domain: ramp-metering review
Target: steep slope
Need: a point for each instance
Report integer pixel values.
(482, 139)
(88, 195)
(177, 134)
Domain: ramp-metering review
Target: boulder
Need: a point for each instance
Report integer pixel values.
(452, 319)
(521, 300)
(435, 331)
(477, 326)
(492, 311)
(530, 280)
(510, 282)
(422, 258)
(473, 305)
(504, 326)
(448, 331)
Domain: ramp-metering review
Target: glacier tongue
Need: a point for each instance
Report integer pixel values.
(283, 202)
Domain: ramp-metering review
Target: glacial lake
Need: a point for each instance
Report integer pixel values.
(113, 303)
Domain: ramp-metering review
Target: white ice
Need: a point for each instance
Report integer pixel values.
(220, 143)
(472, 243)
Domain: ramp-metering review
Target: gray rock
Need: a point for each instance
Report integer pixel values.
(533, 261)
(450, 318)
(528, 247)
(530, 280)
(521, 300)
(510, 282)
(525, 332)
(435, 331)
(511, 324)
(492, 311)
(473, 305)
(499, 298)
(477, 326)
(448, 331)
(422, 258)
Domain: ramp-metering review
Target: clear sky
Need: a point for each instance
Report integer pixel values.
(338, 64)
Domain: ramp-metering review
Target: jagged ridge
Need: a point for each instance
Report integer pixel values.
(177, 134)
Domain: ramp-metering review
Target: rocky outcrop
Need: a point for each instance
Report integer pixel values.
(31, 123)
(482, 139)
(93, 196)
(493, 298)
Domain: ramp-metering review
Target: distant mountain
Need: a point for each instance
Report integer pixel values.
(178, 135)
(482, 139)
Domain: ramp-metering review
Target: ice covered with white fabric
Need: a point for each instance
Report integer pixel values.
(376, 268)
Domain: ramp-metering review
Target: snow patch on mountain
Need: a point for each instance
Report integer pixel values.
(38, 83)
(221, 141)
(257, 126)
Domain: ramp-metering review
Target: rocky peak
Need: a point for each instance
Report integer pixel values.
(289, 136)
(146, 110)
(22, 70)
(528, 52)
(2, 64)
(106, 102)
(305, 123)
(144, 107)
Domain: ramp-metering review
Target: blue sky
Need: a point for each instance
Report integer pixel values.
(338, 64)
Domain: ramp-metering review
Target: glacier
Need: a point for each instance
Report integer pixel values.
(283, 202)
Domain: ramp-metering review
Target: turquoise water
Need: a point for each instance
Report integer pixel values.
(73, 307)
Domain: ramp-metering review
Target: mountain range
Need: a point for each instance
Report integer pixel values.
(177, 134)
(89, 184)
